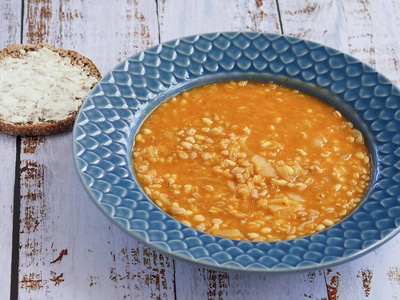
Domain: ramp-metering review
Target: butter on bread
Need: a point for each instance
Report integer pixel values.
(42, 88)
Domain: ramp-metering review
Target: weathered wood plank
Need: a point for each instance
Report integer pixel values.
(204, 16)
(200, 283)
(10, 22)
(69, 250)
(7, 162)
(373, 276)
(370, 31)
(10, 14)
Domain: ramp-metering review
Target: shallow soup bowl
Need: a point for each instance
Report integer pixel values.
(108, 120)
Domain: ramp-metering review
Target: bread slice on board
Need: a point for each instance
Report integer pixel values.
(42, 88)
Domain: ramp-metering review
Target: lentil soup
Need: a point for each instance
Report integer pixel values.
(251, 161)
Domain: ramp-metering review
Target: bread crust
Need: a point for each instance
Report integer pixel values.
(46, 127)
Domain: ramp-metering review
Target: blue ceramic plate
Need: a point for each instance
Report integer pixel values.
(109, 118)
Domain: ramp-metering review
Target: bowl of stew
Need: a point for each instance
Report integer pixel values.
(245, 151)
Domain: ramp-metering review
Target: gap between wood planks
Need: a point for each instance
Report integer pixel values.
(16, 223)
(279, 15)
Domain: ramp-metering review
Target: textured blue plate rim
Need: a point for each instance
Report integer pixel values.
(278, 267)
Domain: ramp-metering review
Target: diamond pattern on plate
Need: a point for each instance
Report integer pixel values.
(107, 122)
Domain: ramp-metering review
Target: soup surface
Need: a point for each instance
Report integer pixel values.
(251, 161)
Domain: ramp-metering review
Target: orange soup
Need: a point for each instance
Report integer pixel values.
(252, 161)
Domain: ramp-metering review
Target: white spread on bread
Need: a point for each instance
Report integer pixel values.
(41, 86)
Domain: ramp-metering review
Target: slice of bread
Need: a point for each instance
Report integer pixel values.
(42, 88)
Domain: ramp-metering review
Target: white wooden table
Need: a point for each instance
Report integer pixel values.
(50, 248)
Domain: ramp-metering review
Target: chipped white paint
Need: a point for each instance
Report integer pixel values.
(10, 22)
(204, 16)
(193, 282)
(69, 250)
(7, 163)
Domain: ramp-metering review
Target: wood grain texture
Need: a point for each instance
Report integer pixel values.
(7, 163)
(69, 250)
(10, 22)
(199, 283)
(370, 32)
(179, 18)
(10, 14)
